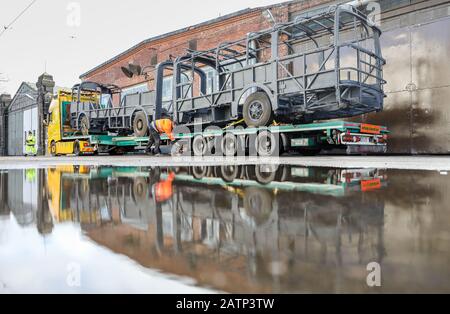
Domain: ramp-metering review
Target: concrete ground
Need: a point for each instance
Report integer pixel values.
(434, 163)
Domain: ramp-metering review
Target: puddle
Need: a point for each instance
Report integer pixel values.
(238, 229)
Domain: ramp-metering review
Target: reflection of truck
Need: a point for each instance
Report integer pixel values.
(237, 209)
(90, 194)
(63, 192)
(239, 231)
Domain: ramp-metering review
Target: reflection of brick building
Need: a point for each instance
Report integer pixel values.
(418, 81)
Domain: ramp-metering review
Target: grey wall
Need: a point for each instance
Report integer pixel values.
(5, 100)
(416, 44)
(21, 202)
(16, 138)
(416, 47)
(20, 103)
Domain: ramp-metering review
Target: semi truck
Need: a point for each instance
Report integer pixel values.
(307, 139)
(273, 92)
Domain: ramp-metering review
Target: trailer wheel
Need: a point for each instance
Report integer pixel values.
(229, 173)
(229, 145)
(257, 110)
(140, 190)
(76, 148)
(200, 172)
(53, 149)
(84, 125)
(267, 144)
(265, 174)
(199, 146)
(140, 126)
(258, 205)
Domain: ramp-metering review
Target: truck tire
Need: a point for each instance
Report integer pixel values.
(229, 145)
(84, 125)
(76, 148)
(199, 146)
(257, 110)
(268, 144)
(263, 176)
(53, 149)
(229, 173)
(258, 205)
(140, 125)
(140, 190)
(200, 172)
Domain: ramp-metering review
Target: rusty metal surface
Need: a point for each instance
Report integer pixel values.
(430, 45)
(417, 107)
(431, 121)
(396, 46)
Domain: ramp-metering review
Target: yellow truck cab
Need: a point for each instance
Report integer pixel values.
(62, 138)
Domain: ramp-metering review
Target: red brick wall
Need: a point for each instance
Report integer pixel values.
(208, 37)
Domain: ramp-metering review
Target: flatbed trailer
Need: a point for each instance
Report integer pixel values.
(233, 140)
(307, 139)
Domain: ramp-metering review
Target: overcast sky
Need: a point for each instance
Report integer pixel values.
(47, 35)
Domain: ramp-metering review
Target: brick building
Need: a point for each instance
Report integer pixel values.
(415, 42)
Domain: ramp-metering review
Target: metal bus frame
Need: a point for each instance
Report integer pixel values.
(269, 70)
(295, 93)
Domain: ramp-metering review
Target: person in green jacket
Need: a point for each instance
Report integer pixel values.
(30, 145)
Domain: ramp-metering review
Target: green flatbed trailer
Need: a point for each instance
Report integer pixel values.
(355, 138)
(310, 139)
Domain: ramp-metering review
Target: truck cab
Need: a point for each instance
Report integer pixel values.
(60, 128)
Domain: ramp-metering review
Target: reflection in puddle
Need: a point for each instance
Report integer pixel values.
(244, 228)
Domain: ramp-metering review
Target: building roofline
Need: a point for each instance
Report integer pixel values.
(182, 30)
(30, 85)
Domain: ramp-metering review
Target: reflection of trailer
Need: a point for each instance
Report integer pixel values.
(243, 205)
(332, 182)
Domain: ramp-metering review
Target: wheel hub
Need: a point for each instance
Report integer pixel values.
(256, 110)
(266, 145)
(230, 145)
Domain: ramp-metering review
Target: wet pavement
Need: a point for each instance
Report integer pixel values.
(237, 229)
